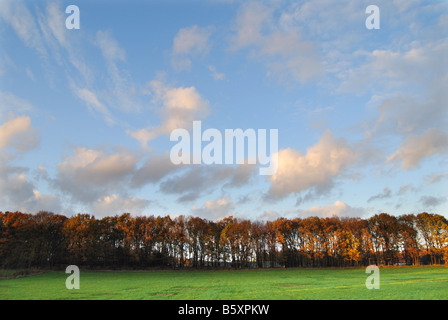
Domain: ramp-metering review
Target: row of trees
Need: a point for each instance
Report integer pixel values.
(47, 240)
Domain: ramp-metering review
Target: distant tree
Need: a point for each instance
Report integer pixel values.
(433, 230)
(80, 232)
(47, 240)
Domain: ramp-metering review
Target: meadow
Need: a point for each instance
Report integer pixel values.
(396, 283)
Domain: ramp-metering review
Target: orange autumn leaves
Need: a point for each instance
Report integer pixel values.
(47, 240)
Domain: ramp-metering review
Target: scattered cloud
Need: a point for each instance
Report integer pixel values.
(111, 205)
(153, 170)
(18, 133)
(317, 169)
(416, 148)
(189, 42)
(387, 193)
(431, 201)
(215, 210)
(286, 54)
(17, 15)
(405, 189)
(410, 84)
(436, 177)
(121, 88)
(109, 47)
(94, 104)
(337, 209)
(193, 39)
(19, 192)
(269, 215)
(196, 181)
(215, 74)
(15, 187)
(63, 45)
(401, 84)
(10, 103)
(177, 108)
(43, 202)
(89, 174)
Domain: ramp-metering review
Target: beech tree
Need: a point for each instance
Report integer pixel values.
(47, 240)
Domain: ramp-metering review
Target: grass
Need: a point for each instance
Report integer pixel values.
(398, 283)
(8, 274)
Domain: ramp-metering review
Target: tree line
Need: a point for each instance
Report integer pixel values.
(47, 240)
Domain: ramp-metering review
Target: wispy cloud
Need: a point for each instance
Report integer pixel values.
(94, 104)
(10, 103)
(387, 193)
(286, 54)
(416, 148)
(190, 42)
(122, 93)
(20, 18)
(215, 74)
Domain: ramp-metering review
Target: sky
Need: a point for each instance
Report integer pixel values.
(86, 114)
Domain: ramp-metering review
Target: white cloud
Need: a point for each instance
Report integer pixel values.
(293, 56)
(15, 186)
(215, 210)
(337, 209)
(316, 169)
(193, 39)
(189, 42)
(55, 21)
(111, 205)
(101, 181)
(118, 91)
(94, 104)
(64, 45)
(286, 54)
(178, 107)
(43, 202)
(269, 215)
(19, 134)
(16, 14)
(11, 103)
(18, 192)
(89, 174)
(407, 114)
(397, 69)
(30, 74)
(416, 148)
(110, 48)
(411, 85)
(437, 177)
(215, 74)
(251, 19)
(121, 89)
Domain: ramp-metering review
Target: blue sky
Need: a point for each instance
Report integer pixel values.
(86, 115)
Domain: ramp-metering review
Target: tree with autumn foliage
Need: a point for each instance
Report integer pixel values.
(47, 240)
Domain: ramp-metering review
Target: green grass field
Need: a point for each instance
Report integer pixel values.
(400, 283)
